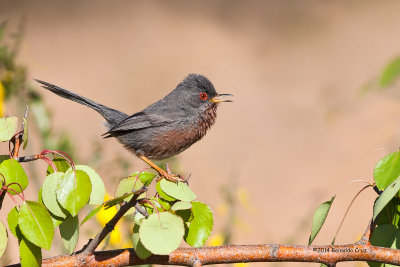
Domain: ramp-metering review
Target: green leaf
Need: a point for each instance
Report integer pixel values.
(35, 224)
(61, 164)
(25, 136)
(388, 194)
(12, 220)
(390, 73)
(319, 218)
(14, 173)
(69, 231)
(98, 188)
(201, 226)
(162, 194)
(49, 198)
(91, 214)
(125, 186)
(145, 177)
(161, 233)
(115, 201)
(177, 190)
(186, 215)
(140, 250)
(165, 203)
(73, 192)
(29, 253)
(56, 220)
(181, 205)
(8, 127)
(385, 235)
(387, 170)
(3, 238)
(391, 215)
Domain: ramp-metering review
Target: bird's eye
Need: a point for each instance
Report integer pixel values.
(203, 96)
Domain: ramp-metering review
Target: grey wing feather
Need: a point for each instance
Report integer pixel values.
(138, 121)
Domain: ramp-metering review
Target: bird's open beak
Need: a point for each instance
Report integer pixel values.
(219, 98)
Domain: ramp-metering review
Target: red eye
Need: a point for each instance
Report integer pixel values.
(203, 96)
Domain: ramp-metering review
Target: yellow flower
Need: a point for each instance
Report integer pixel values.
(216, 240)
(116, 235)
(104, 216)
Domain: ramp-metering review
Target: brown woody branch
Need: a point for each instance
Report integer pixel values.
(89, 249)
(329, 255)
(28, 158)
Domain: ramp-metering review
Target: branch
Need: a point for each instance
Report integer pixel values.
(329, 255)
(28, 158)
(88, 250)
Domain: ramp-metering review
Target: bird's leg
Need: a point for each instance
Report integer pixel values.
(166, 175)
(167, 168)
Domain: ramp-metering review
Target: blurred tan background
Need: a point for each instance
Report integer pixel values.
(299, 128)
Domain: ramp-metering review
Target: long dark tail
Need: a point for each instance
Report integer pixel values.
(112, 116)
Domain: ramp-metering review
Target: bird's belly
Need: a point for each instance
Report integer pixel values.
(162, 142)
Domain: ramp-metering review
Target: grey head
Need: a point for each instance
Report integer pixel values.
(191, 97)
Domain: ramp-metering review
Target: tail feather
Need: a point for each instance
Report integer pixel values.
(111, 115)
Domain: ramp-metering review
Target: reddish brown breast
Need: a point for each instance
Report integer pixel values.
(173, 142)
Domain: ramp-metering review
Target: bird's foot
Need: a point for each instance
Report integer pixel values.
(164, 174)
(170, 177)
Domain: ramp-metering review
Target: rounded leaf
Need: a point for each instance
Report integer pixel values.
(126, 186)
(145, 177)
(29, 253)
(49, 198)
(8, 127)
(69, 231)
(56, 220)
(387, 170)
(140, 250)
(14, 173)
(98, 188)
(74, 191)
(3, 238)
(35, 224)
(201, 226)
(181, 205)
(162, 194)
(12, 220)
(177, 190)
(161, 233)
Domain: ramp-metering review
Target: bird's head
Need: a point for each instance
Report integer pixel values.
(198, 91)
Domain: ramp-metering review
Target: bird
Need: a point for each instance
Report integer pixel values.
(164, 128)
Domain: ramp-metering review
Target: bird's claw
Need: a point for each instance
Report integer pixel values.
(174, 178)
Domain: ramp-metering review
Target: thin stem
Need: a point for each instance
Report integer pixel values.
(28, 158)
(95, 242)
(348, 208)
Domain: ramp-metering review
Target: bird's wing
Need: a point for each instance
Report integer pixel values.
(138, 121)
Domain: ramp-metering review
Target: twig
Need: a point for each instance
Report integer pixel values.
(366, 237)
(348, 208)
(95, 242)
(141, 210)
(28, 158)
(17, 139)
